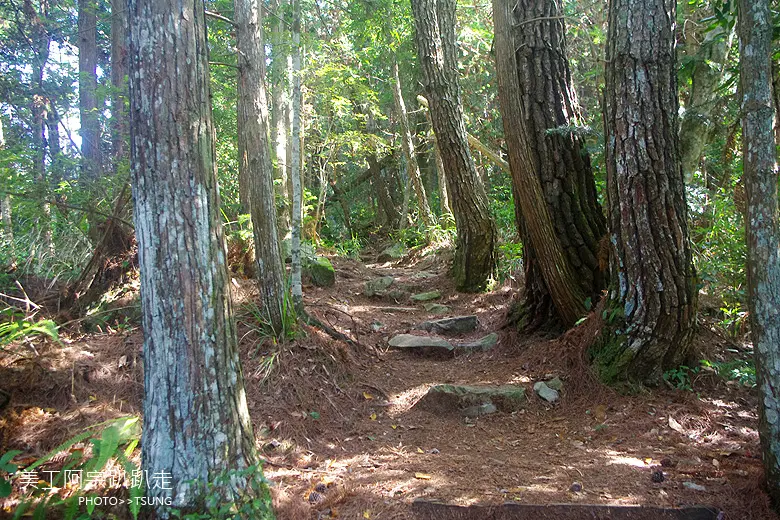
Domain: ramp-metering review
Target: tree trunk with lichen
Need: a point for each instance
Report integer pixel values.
(763, 235)
(196, 421)
(650, 314)
(437, 49)
(562, 221)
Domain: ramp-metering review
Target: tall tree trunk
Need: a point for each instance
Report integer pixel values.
(254, 158)
(437, 48)
(444, 199)
(280, 108)
(562, 220)
(413, 168)
(88, 110)
(5, 214)
(196, 421)
(41, 42)
(698, 123)
(53, 144)
(652, 298)
(763, 236)
(295, 158)
(119, 130)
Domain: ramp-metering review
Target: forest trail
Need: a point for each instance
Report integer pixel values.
(343, 437)
(592, 447)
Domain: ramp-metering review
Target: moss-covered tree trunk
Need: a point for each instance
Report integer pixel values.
(651, 308)
(437, 49)
(550, 165)
(254, 158)
(196, 421)
(763, 235)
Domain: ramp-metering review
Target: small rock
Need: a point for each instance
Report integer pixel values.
(435, 451)
(436, 308)
(666, 462)
(694, 486)
(545, 392)
(454, 325)
(321, 487)
(426, 296)
(555, 383)
(378, 286)
(484, 343)
(576, 487)
(657, 476)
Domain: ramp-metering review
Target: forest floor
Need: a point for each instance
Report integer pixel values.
(342, 437)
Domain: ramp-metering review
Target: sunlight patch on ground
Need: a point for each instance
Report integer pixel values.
(616, 458)
(403, 401)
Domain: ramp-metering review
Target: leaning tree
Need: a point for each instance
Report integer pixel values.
(437, 48)
(196, 421)
(651, 308)
(560, 219)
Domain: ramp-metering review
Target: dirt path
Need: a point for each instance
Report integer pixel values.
(343, 438)
(597, 447)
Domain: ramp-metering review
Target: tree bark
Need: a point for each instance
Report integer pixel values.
(295, 159)
(651, 308)
(562, 221)
(254, 158)
(413, 168)
(88, 109)
(475, 258)
(196, 421)
(119, 67)
(280, 108)
(763, 236)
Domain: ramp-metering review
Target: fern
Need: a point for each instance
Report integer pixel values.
(13, 330)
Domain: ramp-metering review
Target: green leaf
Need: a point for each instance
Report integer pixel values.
(5, 461)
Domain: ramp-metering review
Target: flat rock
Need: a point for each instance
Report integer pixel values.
(424, 344)
(426, 509)
(390, 253)
(436, 308)
(472, 400)
(450, 326)
(426, 296)
(545, 392)
(482, 344)
(320, 271)
(378, 286)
